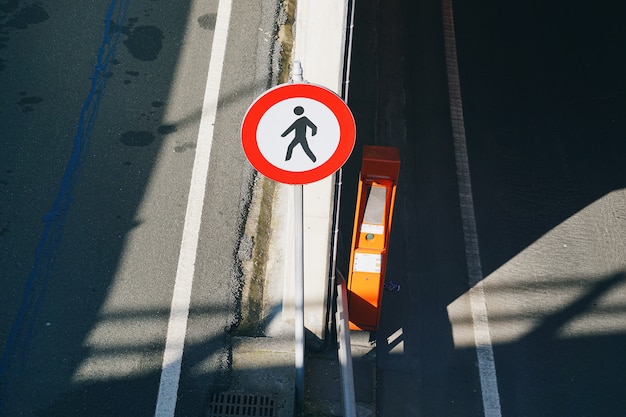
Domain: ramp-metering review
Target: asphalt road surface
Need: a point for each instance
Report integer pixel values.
(103, 109)
(542, 89)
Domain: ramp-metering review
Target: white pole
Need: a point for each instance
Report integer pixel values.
(296, 76)
(299, 293)
(296, 72)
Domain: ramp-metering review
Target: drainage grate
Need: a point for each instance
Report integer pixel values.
(240, 405)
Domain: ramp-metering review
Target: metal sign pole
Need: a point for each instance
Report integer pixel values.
(299, 292)
(296, 76)
(262, 125)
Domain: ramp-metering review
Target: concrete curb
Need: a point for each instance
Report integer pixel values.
(264, 366)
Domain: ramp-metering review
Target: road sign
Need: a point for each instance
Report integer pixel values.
(298, 133)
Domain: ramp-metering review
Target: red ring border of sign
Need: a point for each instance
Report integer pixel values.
(262, 104)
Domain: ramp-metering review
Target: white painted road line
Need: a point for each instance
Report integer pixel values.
(482, 336)
(179, 313)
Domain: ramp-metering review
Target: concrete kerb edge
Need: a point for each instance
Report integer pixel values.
(262, 361)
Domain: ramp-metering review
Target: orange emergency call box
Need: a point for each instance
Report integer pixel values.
(370, 236)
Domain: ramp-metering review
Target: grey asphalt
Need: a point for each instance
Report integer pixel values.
(542, 88)
(87, 280)
(544, 120)
(549, 198)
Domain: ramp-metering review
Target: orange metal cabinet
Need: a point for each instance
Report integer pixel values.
(370, 236)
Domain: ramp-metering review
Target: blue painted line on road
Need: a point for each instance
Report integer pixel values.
(20, 334)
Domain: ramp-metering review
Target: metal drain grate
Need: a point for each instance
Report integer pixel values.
(240, 405)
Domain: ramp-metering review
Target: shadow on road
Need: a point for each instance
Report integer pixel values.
(544, 113)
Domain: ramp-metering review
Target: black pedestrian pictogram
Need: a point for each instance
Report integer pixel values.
(300, 126)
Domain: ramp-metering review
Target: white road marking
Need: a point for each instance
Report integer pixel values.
(480, 319)
(179, 313)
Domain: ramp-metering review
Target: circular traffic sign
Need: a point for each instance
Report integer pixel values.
(298, 133)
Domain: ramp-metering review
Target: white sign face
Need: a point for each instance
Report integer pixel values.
(298, 134)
